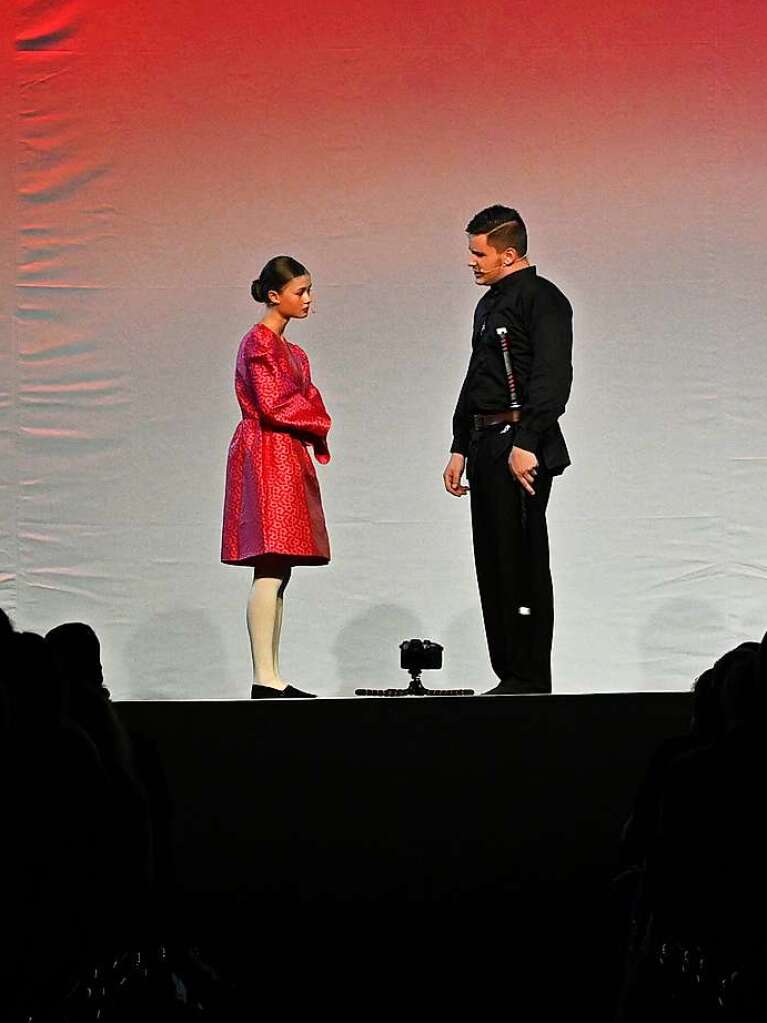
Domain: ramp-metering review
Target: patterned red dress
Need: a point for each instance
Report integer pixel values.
(272, 503)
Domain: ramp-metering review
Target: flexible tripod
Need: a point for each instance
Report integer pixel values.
(416, 688)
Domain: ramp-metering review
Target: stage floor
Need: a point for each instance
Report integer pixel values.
(429, 798)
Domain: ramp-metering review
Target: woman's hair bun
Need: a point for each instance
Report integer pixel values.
(275, 275)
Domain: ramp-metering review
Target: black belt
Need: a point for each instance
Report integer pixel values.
(482, 421)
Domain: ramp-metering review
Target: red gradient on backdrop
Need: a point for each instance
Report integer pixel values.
(335, 114)
(176, 144)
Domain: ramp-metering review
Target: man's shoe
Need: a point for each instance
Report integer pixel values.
(516, 689)
(501, 690)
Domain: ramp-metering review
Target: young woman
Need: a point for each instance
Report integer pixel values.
(272, 509)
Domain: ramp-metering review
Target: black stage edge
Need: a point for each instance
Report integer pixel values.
(427, 798)
(432, 854)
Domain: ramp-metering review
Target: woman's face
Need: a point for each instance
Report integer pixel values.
(295, 298)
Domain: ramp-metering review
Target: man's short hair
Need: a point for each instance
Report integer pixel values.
(504, 227)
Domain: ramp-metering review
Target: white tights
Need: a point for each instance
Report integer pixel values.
(264, 615)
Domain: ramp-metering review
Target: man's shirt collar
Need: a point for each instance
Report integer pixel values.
(511, 279)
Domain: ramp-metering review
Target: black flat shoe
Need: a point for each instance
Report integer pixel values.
(258, 692)
(291, 691)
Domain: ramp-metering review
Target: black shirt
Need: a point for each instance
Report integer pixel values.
(538, 319)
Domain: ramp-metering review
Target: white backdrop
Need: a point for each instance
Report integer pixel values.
(153, 162)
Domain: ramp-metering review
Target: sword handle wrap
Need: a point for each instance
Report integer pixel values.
(503, 338)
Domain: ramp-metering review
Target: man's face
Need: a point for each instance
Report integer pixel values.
(487, 264)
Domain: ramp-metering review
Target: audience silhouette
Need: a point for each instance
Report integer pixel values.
(87, 809)
(696, 841)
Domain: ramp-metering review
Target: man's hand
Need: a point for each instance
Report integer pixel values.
(452, 476)
(523, 466)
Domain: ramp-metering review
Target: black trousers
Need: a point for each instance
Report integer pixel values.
(511, 555)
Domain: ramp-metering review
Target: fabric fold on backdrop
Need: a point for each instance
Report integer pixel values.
(155, 158)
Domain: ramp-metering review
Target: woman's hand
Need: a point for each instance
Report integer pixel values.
(321, 450)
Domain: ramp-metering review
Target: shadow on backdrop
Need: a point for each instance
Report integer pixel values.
(682, 623)
(367, 648)
(177, 654)
(465, 632)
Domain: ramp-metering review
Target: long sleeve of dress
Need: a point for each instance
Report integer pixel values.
(282, 402)
(319, 443)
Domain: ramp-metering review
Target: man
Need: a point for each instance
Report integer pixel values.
(512, 453)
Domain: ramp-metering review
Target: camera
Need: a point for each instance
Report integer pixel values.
(417, 655)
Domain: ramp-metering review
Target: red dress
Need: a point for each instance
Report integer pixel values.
(272, 503)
